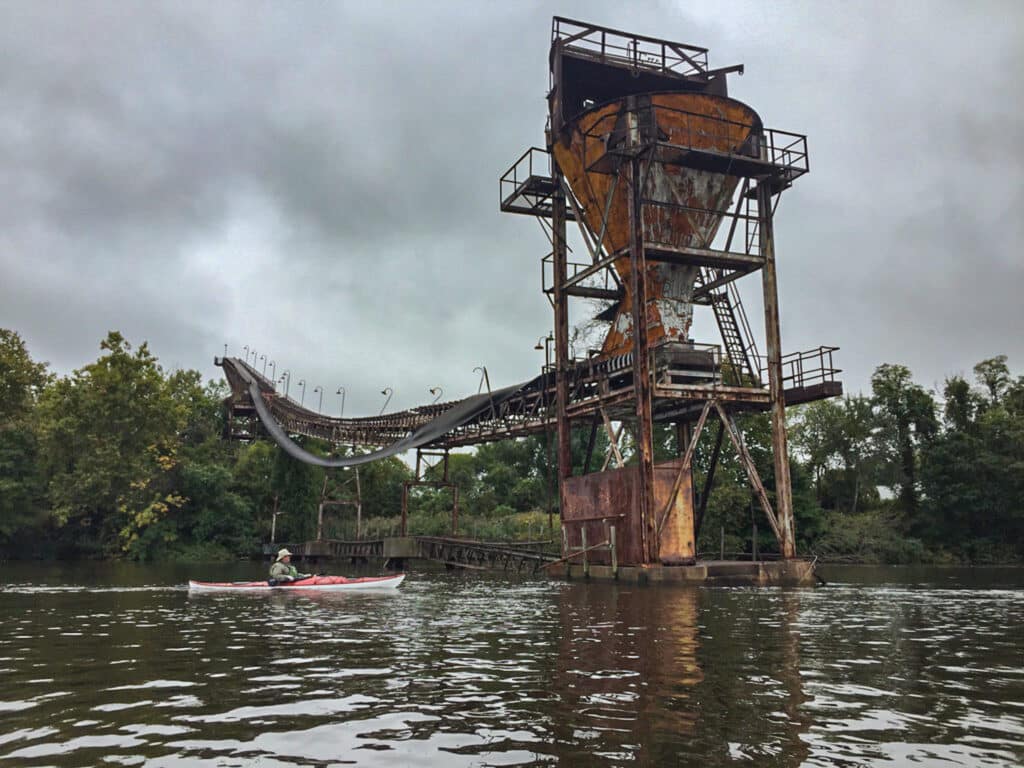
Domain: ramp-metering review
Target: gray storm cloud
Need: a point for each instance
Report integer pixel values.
(319, 181)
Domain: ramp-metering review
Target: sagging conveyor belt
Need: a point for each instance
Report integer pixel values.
(408, 430)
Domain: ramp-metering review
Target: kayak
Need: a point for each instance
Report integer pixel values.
(313, 583)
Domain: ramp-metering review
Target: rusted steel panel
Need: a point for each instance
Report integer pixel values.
(596, 501)
(696, 121)
(683, 203)
(600, 499)
(677, 533)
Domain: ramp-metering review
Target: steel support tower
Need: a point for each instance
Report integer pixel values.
(673, 186)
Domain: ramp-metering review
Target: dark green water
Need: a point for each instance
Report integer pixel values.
(118, 665)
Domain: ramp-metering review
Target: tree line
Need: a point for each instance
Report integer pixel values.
(954, 462)
(122, 458)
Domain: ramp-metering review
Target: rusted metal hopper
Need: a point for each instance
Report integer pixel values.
(683, 206)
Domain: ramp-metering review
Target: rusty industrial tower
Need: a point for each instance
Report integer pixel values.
(673, 186)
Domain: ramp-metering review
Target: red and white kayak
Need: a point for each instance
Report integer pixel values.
(313, 583)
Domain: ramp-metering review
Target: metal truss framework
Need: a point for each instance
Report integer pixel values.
(654, 382)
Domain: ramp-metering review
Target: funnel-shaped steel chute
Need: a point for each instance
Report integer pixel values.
(682, 206)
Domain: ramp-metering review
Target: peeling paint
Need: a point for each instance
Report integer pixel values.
(681, 204)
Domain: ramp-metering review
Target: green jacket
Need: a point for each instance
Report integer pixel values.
(281, 570)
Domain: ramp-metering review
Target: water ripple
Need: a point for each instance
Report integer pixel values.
(475, 670)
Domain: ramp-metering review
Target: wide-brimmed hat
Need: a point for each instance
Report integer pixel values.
(283, 553)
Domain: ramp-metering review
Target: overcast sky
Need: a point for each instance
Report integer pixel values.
(319, 181)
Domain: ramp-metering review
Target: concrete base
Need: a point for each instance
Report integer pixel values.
(712, 573)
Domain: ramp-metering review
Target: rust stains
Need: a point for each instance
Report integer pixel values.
(682, 207)
(602, 499)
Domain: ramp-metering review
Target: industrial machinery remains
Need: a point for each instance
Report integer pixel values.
(673, 186)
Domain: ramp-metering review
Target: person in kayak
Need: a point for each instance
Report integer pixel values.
(283, 571)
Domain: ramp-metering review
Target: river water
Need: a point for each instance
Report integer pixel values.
(119, 665)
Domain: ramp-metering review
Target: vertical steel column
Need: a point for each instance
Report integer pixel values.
(405, 509)
(773, 338)
(273, 521)
(359, 507)
(455, 496)
(561, 268)
(455, 510)
(641, 362)
(320, 511)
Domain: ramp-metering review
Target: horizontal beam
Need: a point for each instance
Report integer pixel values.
(707, 289)
(704, 159)
(586, 292)
(820, 391)
(717, 392)
(542, 210)
(593, 269)
(703, 257)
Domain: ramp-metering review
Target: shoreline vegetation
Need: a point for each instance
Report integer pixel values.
(123, 459)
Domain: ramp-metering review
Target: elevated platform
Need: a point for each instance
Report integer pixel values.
(527, 186)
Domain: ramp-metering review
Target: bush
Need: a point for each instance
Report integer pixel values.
(868, 537)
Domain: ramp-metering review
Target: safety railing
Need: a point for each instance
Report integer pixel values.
(602, 278)
(571, 551)
(752, 556)
(747, 337)
(529, 177)
(804, 369)
(634, 51)
(784, 151)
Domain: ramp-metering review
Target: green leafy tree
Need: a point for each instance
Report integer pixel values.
(813, 436)
(907, 419)
(994, 375)
(219, 521)
(297, 487)
(854, 444)
(731, 506)
(382, 487)
(973, 472)
(109, 436)
(21, 487)
(21, 378)
(961, 404)
(252, 478)
(507, 469)
(1014, 400)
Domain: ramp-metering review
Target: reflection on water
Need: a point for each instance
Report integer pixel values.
(625, 670)
(102, 665)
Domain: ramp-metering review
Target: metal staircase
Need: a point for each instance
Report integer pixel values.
(737, 337)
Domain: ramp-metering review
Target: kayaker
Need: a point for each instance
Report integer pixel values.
(283, 570)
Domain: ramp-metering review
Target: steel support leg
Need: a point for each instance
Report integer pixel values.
(561, 331)
(780, 449)
(641, 366)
